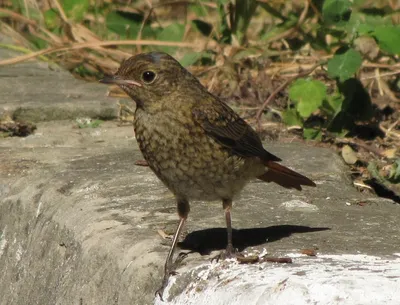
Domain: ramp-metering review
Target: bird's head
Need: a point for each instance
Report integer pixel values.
(149, 78)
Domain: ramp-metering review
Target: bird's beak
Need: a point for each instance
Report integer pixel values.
(115, 79)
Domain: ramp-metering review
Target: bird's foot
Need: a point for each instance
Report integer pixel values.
(170, 271)
(230, 252)
(180, 258)
(164, 284)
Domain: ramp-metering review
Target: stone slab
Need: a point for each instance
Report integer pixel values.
(79, 220)
(37, 91)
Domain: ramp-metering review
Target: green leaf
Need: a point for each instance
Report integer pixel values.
(173, 32)
(190, 58)
(17, 4)
(204, 28)
(76, 9)
(337, 33)
(388, 38)
(199, 10)
(374, 171)
(308, 95)
(362, 24)
(243, 13)
(224, 31)
(335, 102)
(394, 175)
(344, 65)
(336, 11)
(357, 26)
(124, 27)
(38, 42)
(51, 19)
(127, 25)
(312, 134)
(292, 118)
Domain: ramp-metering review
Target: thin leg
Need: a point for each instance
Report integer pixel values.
(183, 211)
(227, 205)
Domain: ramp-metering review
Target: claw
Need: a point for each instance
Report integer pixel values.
(160, 291)
(229, 252)
(168, 273)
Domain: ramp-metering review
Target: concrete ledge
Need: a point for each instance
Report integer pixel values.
(326, 279)
(79, 220)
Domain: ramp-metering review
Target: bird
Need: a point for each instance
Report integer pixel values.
(194, 142)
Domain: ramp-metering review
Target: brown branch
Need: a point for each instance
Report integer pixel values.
(17, 16)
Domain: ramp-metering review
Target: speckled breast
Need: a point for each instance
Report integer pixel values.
(191, 164)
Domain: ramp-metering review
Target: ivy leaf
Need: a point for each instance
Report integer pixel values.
(291, 117)
(335, 102)
(312, 134)
(173, 32)
(344, 65)
(363, 24)
(191, 58)
(308, 95)
(336, 11)
(394, 175)
(124, 27)
(388, 38)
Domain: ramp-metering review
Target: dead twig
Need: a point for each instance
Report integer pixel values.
(389, 131)
(381, 75)
(92, 45)
(18, 17)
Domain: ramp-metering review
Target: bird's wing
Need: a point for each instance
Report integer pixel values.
(228, 129)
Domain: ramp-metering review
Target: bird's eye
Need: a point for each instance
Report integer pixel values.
(148, 76)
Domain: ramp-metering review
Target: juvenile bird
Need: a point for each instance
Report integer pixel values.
(195, 143)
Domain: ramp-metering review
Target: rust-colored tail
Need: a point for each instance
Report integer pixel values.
(284, 176)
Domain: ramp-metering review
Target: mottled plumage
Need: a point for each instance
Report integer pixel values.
(195, 144)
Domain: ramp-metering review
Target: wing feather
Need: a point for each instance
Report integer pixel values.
(226, 127)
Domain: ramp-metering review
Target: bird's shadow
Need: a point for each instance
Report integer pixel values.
(205, 241)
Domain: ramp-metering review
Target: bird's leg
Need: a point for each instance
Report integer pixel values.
(227, 205)
(183, 211)
(230, 250)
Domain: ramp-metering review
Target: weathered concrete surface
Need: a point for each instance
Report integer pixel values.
(39, 91)
(326, 279)
(79, 221)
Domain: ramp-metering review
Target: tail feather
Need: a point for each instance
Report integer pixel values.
(284, 176)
